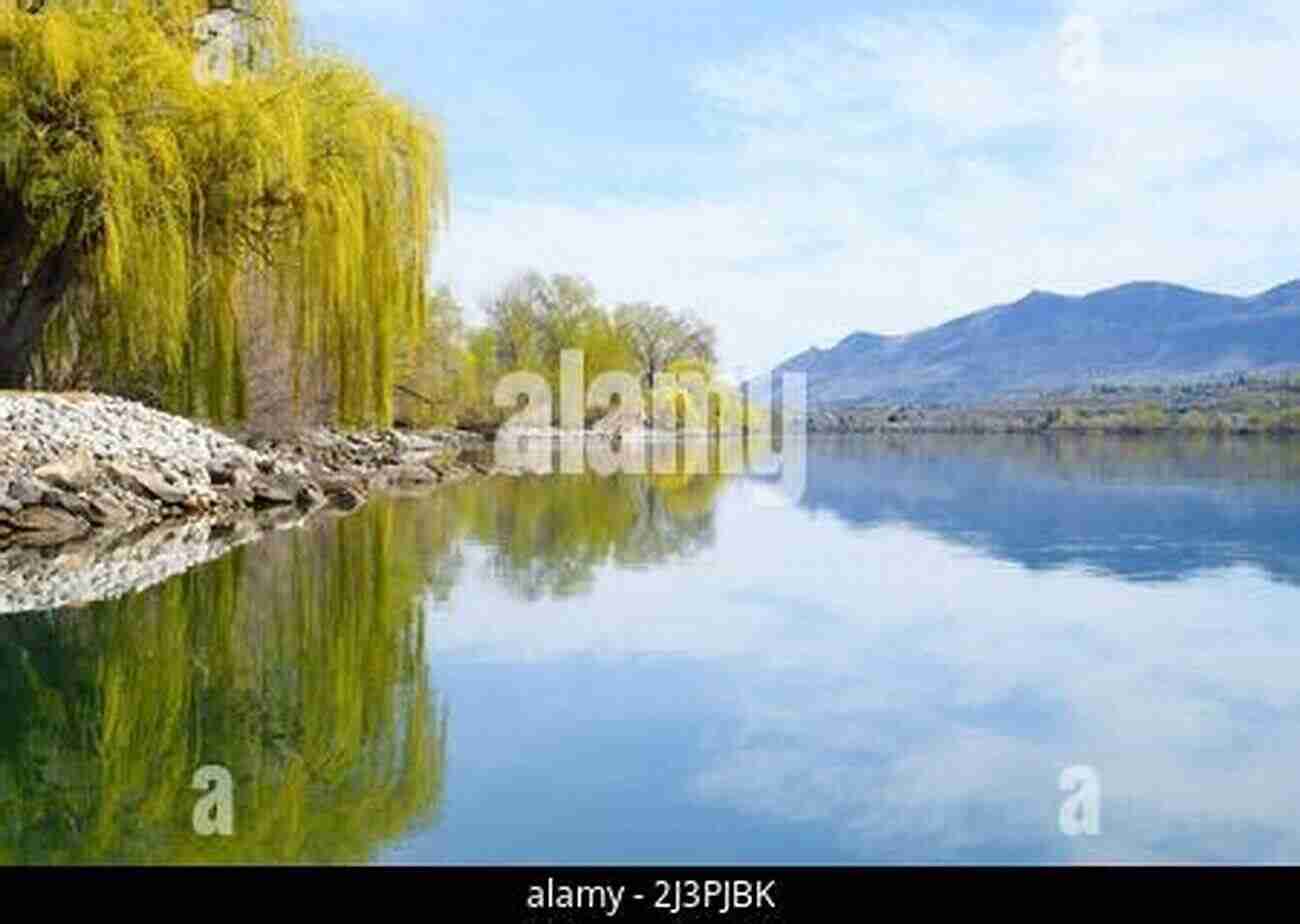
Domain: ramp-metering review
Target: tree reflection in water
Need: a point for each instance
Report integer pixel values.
(300, 665)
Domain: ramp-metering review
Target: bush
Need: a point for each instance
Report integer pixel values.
(1288, 421)
(1065, 418)
(1259, 422)
(1146, 417)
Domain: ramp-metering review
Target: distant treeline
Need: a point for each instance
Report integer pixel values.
(452, 374)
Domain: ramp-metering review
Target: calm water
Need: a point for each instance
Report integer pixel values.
(577, 669)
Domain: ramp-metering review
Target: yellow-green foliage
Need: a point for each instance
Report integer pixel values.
(1284, 421)
(1066, 418)
(1146, 417)
(306, 175)
(534, 319)
(691, 397)
(432, 370)
(301, 669)
(301, 666)
(551, 537)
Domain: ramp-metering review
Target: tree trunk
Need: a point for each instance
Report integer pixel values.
(28, 300)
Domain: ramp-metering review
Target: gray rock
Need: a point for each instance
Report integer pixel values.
(65, 500)
(230, 471)
(106, 465)
(42, 527)
(148, 484)
(310, 497)
(75, 472)
(7, 503)
(276, 490)
(27, 491)
(104, 510)
(343, 494)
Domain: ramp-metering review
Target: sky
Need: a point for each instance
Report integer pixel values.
(796, 173)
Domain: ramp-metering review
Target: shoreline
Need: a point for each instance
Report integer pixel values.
(78, 466)
(102, 497)
(1259, 416)
(87, 471)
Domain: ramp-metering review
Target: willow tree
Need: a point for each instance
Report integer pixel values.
(140, 202)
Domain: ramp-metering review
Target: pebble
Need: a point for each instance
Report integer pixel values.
(84, 471)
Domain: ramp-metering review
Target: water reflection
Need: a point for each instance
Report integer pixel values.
(299, 665)
(1142, 508)
(899, 670)
(549, 538)
(654, 669)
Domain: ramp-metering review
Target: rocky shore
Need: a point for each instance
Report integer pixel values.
(106, 568)
(81, 469)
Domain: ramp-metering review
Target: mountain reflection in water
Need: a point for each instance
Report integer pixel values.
(648, 669)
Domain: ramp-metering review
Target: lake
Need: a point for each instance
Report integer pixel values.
(671, 669)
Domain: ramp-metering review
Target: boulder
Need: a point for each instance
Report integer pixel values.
(43, 527)
(74, 472)
(275, 490)
(27, 491)
(230, 471)
(105, 510)
(344, 494)
(309, 497)
(148, 484)
(198, 502)
(66, 500)
(285, 490)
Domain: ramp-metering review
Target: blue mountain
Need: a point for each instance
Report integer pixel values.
(1139, 333)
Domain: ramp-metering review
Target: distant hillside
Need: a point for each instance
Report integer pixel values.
(1141, 333)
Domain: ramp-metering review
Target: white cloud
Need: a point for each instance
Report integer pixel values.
(875, 700)
(894, 172)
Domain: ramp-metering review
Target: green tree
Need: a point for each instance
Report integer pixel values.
(536, 318)
(432, 370)
(478, 380)
(136, 197)
(660, 337)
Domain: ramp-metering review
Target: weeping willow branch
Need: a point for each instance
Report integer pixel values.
(168, 191)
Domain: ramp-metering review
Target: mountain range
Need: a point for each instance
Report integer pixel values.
(1139, 333)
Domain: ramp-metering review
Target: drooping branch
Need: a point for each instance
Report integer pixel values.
(121, 166)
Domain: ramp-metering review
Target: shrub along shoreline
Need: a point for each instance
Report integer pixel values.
(1248, 408)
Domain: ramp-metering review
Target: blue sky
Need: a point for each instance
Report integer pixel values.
(798, 172)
